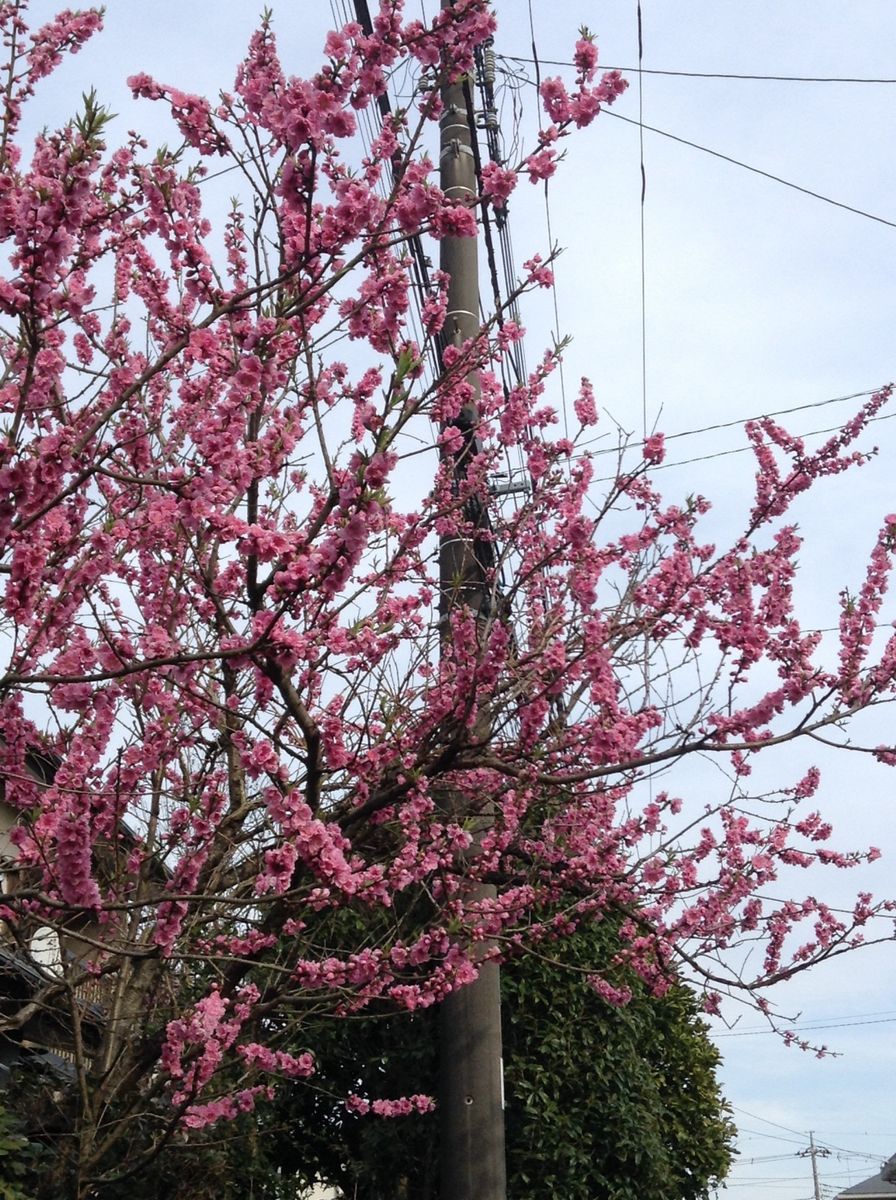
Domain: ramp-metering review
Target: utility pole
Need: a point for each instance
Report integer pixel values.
(814, 1152)
(471, 1100)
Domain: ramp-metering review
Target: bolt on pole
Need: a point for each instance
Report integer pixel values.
(471, 1099)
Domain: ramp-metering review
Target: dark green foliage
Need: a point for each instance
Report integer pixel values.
(603, 1103)
(21, 1159)
(607, 1102)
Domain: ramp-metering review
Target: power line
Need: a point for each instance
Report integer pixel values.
(700, 458)
(780, 412)
(855, 1153)
(803, 1028)
(739, 422)
(859, 212)
(550, 233)
(642, 223)
(884, 1012)
(558, 62)
(799, 1134)
(772, 1137)
(762, 1158)
(682, 462)
(767, 1181)
(755, 1117)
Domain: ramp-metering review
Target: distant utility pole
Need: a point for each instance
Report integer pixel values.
(814, 1152)
(471, 1101)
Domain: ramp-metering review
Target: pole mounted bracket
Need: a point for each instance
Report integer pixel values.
(454, 149)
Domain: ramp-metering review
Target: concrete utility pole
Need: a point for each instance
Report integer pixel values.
(471, 1101)
(814, 1152)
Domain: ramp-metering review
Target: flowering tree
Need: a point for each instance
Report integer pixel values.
(231, 714)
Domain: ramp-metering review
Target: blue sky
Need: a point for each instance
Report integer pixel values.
(756, 298)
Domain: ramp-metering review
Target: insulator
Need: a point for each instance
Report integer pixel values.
(488, 65)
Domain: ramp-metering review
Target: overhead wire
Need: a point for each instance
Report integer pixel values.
(558, 62)
(422, 288)
(779, 412)
(370, 127)
(684, 462)
(642, 127)
(803, 1136)
(550, 233)
(420, 261)
(647, 648)
(884, 1012)
(641, 71)
(774, 1137)
(495, 223)
(642, 221)
(507, 262)
(802, 1028)
(739, 422)
(852, 1153)
(788, 183)
(770, 175)
(763, 1158)
(510, 85)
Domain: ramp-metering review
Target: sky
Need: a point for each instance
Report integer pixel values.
(752, 298)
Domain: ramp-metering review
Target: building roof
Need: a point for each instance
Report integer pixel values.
(881, 1184)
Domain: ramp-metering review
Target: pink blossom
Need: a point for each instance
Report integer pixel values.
(585, 57)
(497, 183)
(654, 448)
(584, 405)
(538, 272)
(454, 220)
(556, 101)
(401, 1107)
(618, 997)
(277, 1061)
(541, 165)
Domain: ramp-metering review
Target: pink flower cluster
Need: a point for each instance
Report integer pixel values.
(277, 1061)
(401, 1107)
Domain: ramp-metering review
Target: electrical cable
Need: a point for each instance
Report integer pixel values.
(419, 259)
(643, 199)
(551, 244)
(513, 354)
(853, 1153)
(885, 1012)
(698, 458)
(859, 212)
(557, 62)
(803, 1028)
(739, 422)
(799, 1140)
(683, 462)
(763, 1158)
(746, 166)
(786, 1128)
(780, 412)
